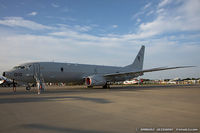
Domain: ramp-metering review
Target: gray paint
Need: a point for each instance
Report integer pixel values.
(70, 72)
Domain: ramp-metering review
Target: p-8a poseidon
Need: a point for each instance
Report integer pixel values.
(92, 75)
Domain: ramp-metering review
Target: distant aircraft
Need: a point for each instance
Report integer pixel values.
(132, 81)
(92, 75)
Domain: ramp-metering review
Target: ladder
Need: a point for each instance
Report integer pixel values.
(38, 77)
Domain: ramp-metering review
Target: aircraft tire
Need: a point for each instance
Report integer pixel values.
(106, 86)
(89, 86)
(28, 88)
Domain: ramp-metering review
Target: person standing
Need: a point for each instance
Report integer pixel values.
(14, 86)
(39, 87)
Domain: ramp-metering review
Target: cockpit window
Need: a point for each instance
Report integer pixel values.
(23, 67)
(19, 67)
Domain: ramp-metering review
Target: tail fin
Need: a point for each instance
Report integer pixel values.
(137, 65)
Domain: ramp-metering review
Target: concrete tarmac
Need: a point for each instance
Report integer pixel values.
(118, 110)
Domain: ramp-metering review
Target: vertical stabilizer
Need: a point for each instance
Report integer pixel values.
(137, 65)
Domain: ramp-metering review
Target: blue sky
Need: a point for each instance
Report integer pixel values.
(106, 32)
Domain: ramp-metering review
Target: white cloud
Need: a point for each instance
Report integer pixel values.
(138, 14)
(79, 47)
(164, 3)
(185, 17)
(20, 22)
(66, 18)
(138, 20)
(147, 6)
(55, 5)
(142, 11)
(24, 23)
(47, 48)
(32, 13)
(74, 35)
(82, 28)
(114, 26)
(150, 12)
(182, 16)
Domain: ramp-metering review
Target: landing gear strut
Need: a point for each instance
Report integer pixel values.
(106, 86)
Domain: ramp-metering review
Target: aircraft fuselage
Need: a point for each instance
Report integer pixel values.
(58, 72)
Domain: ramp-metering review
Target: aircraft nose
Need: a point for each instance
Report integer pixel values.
(8, 74)
(4, 74)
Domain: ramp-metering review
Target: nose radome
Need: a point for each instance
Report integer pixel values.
(4, 74)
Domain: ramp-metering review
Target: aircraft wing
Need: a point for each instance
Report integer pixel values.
(139, 73)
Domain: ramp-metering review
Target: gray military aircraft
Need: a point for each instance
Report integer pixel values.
(92, 75)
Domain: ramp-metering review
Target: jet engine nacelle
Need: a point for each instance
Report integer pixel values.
(95, 80)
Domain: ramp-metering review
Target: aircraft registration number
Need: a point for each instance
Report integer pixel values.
(17, 74)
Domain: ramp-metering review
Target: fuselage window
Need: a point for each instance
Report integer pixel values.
(61, 69)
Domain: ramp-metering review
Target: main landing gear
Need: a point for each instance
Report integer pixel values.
(106, 86)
